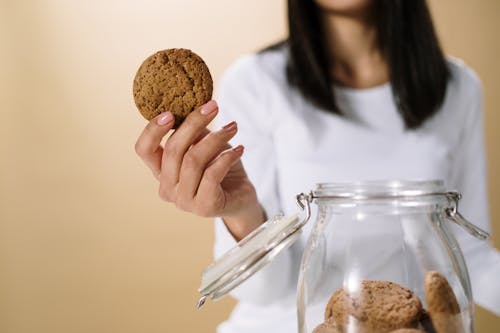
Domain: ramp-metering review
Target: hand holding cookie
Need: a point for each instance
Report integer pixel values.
(197, 169)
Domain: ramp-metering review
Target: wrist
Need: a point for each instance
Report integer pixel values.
(245, 221)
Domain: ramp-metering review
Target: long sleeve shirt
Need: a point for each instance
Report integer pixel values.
(290, 145)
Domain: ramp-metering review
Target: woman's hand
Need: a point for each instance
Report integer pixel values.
(199, 171)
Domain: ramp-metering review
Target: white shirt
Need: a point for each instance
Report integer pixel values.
(291, 145)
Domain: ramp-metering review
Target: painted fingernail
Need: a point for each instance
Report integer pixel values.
(208, 108)
(230, 127)
(239, 149)
(165, 118)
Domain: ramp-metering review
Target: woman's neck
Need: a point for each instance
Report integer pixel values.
(351, 44)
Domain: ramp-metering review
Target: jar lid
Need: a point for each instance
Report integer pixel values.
(251, 254)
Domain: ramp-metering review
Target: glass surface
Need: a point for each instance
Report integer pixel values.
(381, 257)
(247, 257)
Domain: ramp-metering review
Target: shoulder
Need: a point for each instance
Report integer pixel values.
(464, 82)
(265, 67)
(462, 111)
(462, 105)
(249, 87)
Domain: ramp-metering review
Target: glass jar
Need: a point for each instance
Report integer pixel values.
(380, 257)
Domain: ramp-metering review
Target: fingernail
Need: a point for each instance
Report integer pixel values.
(165, 118)
(209, 108)
(229, 127)
(239, 149)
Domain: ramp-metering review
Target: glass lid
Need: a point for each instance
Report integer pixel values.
(250, 255)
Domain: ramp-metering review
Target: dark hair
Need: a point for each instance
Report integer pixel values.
(417, 67)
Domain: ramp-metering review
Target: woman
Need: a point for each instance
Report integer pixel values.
(359, 90)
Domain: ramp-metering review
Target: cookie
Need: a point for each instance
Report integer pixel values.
(378, 306)
(408, 330)
(327, 327)
(442, 304)
(425, 323)
(175, 80)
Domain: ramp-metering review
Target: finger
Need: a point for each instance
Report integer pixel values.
(203, 134)
(168, 193)
(148, 145)
(199, 156)
(217, 171)
(179, 142)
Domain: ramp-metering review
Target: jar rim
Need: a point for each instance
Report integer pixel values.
(380, 188)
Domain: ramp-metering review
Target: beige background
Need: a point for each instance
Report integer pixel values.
(85, 243)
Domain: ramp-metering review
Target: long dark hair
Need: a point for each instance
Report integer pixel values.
(417, 67)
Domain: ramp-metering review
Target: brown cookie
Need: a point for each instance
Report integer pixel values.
(378, 306)
(175, 80)
(327, 327)
(442, 304)
(408, 330)
(425, 323)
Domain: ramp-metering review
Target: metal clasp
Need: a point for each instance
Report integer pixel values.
(304, 202)
(453, 214)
